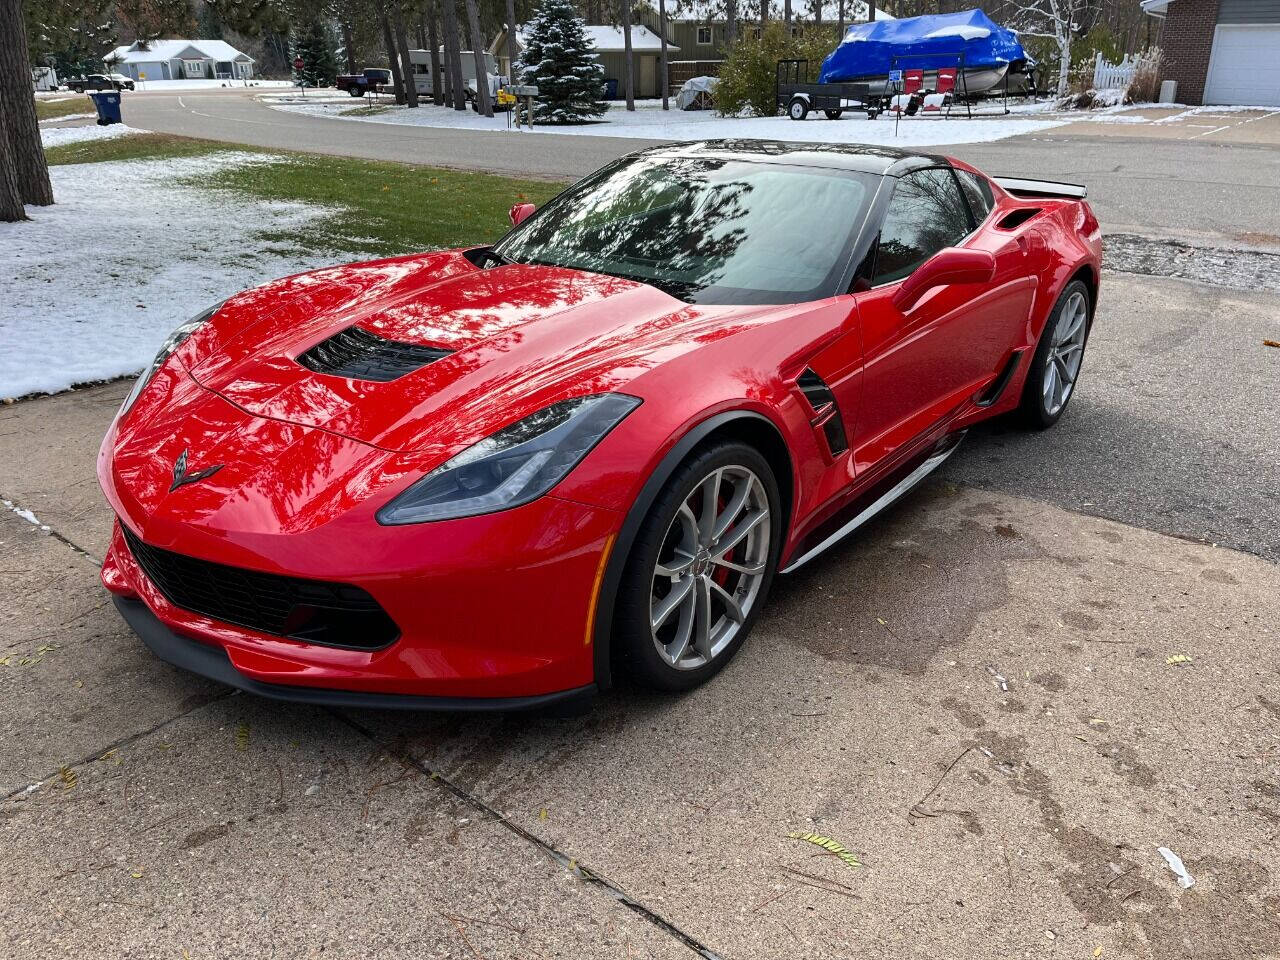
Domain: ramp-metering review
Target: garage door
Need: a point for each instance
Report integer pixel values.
(1245, 65)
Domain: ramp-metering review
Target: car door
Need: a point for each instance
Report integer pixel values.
(924, 363)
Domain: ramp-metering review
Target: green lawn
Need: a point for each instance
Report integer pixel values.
(52, 109)
(385, 208)
(133, 147)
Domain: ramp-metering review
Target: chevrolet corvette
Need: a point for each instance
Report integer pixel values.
(499, 477)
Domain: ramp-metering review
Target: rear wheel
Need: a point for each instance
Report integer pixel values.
(356, 92)
(700, 568)
(1055, 368)
(833, 114)
(798, 108)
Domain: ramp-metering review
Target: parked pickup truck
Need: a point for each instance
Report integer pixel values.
(98, 81)
(368, 80)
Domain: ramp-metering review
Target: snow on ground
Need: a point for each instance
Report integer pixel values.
(650, 121)
(128, 252)
(69, 116)
(142, 86)
(1211, 111)
(57, 136)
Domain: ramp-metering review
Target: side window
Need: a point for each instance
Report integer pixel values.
(978, 192)
(926, 214)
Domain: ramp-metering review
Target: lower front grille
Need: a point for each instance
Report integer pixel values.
(313, 611)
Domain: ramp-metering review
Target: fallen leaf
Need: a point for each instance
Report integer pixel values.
(1271, 343)
(242, 737)
(136, 874)
(1178, 660)
(1097, 952)
(829, 845)
(68, 778)
(543, 814)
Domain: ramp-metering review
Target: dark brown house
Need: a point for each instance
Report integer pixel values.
(1221, 51)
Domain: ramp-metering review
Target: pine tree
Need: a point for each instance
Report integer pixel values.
(316, 47)
(559, 60)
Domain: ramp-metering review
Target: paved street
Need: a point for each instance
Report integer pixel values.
(981, 696)
(1202, 188)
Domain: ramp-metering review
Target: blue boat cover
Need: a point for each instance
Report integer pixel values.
(921, 43)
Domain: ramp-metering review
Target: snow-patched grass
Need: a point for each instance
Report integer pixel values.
(96, 281)
(650, 121)
(134, 246)
(61, 136)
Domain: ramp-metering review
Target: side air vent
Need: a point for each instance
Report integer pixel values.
(826, 411)
(361, 355)
(1017, 218)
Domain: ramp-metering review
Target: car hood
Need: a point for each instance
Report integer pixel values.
(518, 337)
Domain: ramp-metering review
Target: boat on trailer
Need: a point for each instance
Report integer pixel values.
(976, 50)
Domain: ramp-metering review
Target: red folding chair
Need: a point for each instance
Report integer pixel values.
(946, 80)
(912, 81)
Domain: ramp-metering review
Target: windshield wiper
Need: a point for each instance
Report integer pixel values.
(491, 256)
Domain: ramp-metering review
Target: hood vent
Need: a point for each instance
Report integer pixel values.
(360, 355)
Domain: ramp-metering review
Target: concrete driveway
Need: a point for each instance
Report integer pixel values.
(1002, 699)
(980, 698)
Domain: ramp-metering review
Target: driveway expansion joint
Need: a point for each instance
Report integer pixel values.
(16, 508)
(570, 864)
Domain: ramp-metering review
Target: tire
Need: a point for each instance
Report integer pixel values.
(798, 109)
(672, 535)
(1061, 346)
(833, 114)
(356, 92)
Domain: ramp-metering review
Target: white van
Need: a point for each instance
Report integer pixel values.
(423, 81)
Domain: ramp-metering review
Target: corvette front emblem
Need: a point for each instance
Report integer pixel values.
(182, 478)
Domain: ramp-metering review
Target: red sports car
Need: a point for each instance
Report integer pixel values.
(494, 477)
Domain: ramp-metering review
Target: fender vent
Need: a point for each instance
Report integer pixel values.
(826, 410)
(361, 355)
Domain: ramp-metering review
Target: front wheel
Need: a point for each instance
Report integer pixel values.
(700, 568)
(1055, 368)
(798, 108)
(356, 92)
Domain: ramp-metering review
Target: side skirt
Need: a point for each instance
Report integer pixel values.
(922, 470)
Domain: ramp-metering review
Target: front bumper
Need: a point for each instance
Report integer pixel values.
(212, 662)
(496, 609)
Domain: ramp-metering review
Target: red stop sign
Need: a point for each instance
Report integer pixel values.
(297, 63)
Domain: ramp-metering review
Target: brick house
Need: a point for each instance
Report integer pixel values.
(1221, 51)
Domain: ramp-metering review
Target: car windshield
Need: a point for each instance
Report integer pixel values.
(705, 230)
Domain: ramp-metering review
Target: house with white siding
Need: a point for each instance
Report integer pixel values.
(181, 60)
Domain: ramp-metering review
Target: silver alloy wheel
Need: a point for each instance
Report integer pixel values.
(1066, 350)
(710, 567)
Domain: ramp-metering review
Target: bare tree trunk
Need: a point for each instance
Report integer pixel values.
(786, 15)
(437, 75)
(453, 53)
(483, 102)
(348, 46)
(666, 77)
(764, 15)
(840, 20)
(24, 152)
(730, 21)
(817, 12)
(11, 209)
(628, 64)
(402, 42)
(511, 41)
(871, 11)
(393, 58)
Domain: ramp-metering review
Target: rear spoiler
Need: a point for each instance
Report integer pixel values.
(1021, 187)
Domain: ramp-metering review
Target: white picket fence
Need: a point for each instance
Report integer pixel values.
(1115, 76)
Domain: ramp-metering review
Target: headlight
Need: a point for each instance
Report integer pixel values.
(172, 343)
(517, 464)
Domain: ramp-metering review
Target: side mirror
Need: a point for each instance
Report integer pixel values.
(520, 213)
(947, 266)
